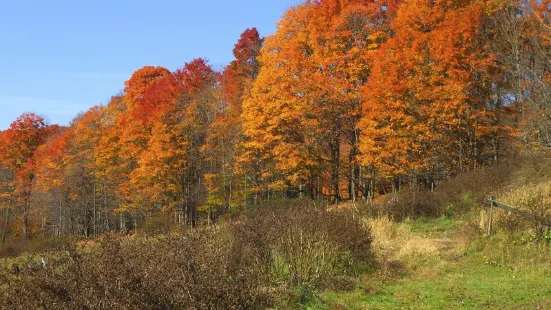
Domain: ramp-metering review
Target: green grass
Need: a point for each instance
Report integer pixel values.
(442, 227)
(470, 284)
(453, 279)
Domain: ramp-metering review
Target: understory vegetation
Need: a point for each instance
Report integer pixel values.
(248, 263)
(308, 254)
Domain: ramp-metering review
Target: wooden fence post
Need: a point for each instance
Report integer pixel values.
(489, 223)
(527, 215)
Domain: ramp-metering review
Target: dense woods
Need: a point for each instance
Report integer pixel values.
(348, 99)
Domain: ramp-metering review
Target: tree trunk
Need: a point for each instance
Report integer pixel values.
(122, 223)
(6, 220)
(352, 174)
(336, 167)
(318, 192)
(26, 219)
(60, 219)
(95, 225)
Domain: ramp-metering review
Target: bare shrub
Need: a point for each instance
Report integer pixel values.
(191, 272)
(305, 244)
(17, 246)
(242, 265)
(156, 224)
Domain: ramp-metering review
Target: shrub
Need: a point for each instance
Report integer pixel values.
(242, 265)
(156, 224)
(305, 244)
(457, 195)
(17, 246)
(191, 272)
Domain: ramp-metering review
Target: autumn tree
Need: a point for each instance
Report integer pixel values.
(348, 33)
(520, 33)
(271, 114)
(428, 111)
(344, 93)
(20, 142)
(83, 180)
(50, 186)
(171, 169)
(127, 128)
(306, 102)
(111, 164)
(226, 186)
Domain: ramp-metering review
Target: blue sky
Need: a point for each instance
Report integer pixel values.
(58, 58)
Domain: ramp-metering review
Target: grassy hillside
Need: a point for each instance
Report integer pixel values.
(437, 267)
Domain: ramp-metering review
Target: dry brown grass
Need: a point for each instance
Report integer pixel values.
(395, 241)
(398, 249)
(534, 198)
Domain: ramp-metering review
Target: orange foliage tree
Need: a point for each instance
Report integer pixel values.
(19, 144)
(227, 186)
(425, 114)
(170, 171)
(306, 102)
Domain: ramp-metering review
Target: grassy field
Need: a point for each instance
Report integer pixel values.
(450, 274)
(470, 283)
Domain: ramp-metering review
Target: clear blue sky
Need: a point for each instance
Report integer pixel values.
(58, 58)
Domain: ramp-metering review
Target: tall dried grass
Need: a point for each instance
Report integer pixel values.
(395, 242)
(534, 198)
